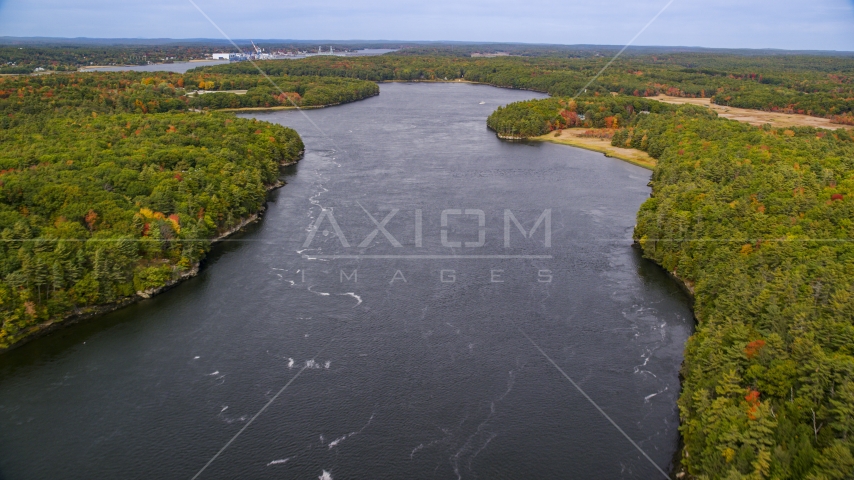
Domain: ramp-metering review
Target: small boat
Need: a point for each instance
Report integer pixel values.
(482, 103)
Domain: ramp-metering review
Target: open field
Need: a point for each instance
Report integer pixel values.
(756, 117)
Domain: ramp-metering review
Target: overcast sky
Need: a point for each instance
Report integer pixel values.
(815, 25)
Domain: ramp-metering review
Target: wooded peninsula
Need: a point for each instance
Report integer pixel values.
(114, 184)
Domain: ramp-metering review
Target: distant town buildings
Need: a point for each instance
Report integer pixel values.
(260, 54)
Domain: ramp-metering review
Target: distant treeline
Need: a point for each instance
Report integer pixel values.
(70, 56)
(759, 222)
(25, 59)
(813, 85)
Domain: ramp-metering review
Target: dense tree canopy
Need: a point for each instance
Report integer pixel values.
(759, 220)
(95, 209)
(537, 117)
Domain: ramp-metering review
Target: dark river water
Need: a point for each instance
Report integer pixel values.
(317, 345)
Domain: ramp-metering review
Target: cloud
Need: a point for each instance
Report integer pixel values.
(821, 24)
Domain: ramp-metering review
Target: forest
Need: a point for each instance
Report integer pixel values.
(115, 183)
(757, 222)
(538, 117)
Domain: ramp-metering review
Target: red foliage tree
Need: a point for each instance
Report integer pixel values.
(90, 219)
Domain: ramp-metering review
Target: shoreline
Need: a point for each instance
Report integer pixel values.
(677, 469)
(641, 159)
(463, 80)
(286, 107)
(85, 313)
(428, 80)
(266, 109)
(568, 137)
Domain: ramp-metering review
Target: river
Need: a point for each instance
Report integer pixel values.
(388, 318)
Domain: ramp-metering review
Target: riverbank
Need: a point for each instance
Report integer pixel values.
(273, 109)
(92, 311)
(463, 80)
(441, 80)
(286, 107)
(581, 138)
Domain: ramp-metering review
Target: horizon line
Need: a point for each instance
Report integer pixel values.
(130, 40)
